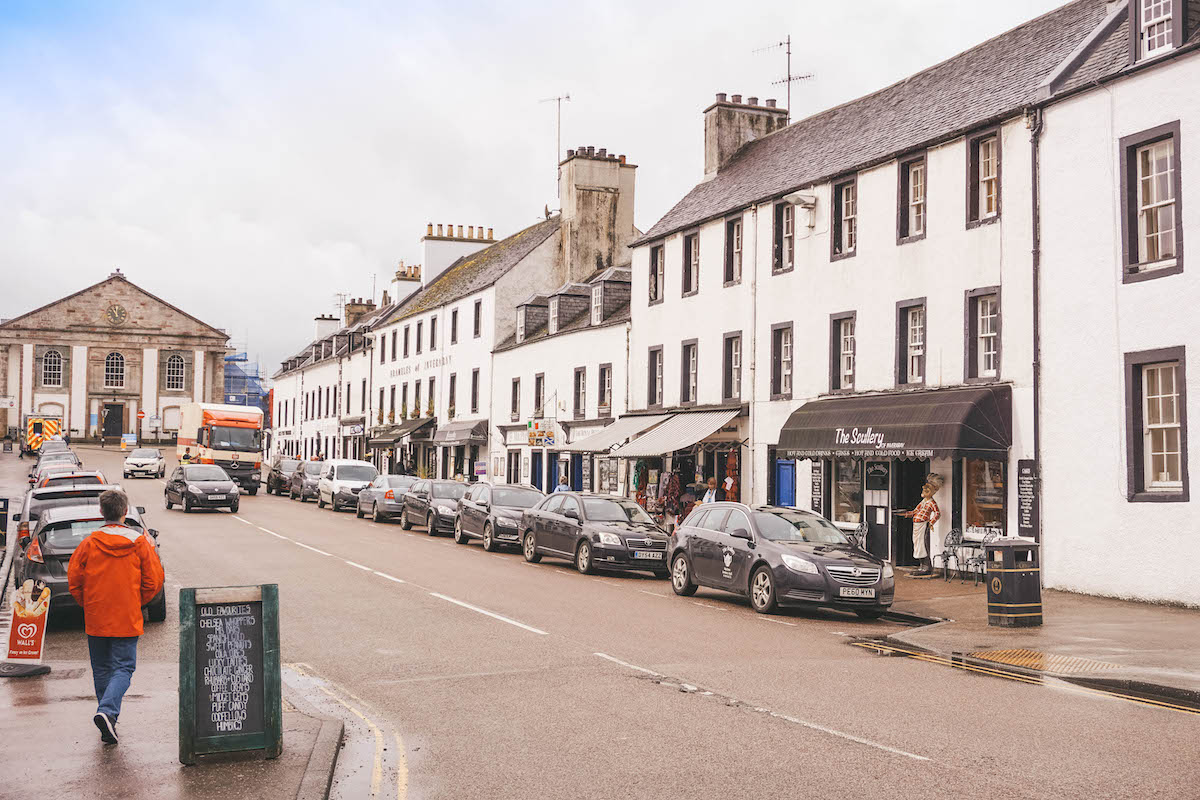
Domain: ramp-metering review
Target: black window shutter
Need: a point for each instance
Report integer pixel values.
(973, 181)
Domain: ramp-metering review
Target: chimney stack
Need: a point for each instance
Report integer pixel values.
(356, 309)
(729, 126)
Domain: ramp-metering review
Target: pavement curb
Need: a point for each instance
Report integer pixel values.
(322, 761)
(911, 618)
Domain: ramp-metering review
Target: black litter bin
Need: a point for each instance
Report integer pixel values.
(1014, 583)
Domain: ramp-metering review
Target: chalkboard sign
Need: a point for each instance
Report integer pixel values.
(1027, 506)
(229, 671)
(818, 486)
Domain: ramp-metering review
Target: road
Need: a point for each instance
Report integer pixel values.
(500, 679)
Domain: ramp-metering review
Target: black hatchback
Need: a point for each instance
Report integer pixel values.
(594, 532)
(492, 512)
(777, 556)
(279, 477)
(201, 486)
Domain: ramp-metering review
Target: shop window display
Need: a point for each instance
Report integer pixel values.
(985, 494)
(847, 488)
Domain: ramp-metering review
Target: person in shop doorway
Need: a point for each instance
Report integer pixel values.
(923, 516)
(710, 496)
(562, 485)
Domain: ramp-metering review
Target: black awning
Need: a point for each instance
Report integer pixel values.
(388, 435)
(943, 422)
(461, 432)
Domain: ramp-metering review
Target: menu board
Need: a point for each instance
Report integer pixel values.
(229, 668)
(818, 486)
(1027, 507)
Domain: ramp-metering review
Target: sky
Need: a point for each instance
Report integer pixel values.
(247, 161)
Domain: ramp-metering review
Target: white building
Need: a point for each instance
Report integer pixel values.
(1120, 156)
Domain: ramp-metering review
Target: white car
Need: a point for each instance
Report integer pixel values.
(341, 481)
(145, 461)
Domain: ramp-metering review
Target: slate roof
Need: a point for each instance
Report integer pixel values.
(581, 322)
(477, 271)
(985, 84)
(364, 323)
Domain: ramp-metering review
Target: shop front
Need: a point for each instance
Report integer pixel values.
(353, 435)
(394, 447)
(460, 443)
(868, 457)
(591, 447)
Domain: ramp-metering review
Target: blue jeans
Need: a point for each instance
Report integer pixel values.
(113, 660)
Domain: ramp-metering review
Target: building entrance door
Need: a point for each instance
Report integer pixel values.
(535, 468)
(909, 478)
(785, 482)
(114, 419)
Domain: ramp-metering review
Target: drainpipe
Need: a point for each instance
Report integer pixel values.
(753, 354)
(1035, 121)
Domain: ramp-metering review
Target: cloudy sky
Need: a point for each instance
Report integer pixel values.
(248, 160)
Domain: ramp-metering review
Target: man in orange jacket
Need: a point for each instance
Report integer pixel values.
(113, 573)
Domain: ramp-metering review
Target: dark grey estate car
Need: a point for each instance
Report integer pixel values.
(303, 483)
(433, 504)
(777, 557)
(384, 497)
(595, 532)
(280, 474)
(201, 486)
(492, 512)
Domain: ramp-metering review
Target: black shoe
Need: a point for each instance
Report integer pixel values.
(108, 729)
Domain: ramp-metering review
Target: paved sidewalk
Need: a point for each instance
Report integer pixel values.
(52, 749)
(1140, 646)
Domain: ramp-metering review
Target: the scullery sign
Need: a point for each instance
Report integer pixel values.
(229, 671)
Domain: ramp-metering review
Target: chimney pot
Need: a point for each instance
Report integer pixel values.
(470, 231)
(570, 154)
(439, 229)
(489, 234)
(591, 151)
(429, 229)
(602, 152)
(751, 101)
(721, 97)
(770, 102)
(460, 232)
(737, 98)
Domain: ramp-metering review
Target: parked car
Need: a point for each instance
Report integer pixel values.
(492, 512)
(201, 486)
(384, 497)
(777, 557)
(433, 504)
(280, 474)
(595, 532)
(341, 480)
(303, 483)
(66, 458)
(58, 532)
(37, 500)
(144, 461)
(52, 468)
(68, 477)
(54, 446)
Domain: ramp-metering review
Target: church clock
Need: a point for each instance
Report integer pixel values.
(116, 315)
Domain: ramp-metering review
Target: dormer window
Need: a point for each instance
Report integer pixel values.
(521, 323)
(552, 325)
(597, 304)
(1156, 26)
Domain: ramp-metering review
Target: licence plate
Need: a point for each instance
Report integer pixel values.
(216, 497)
(649, 555)
(850, 591)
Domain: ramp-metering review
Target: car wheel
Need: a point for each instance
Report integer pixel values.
(489, 543)
(869, 613)
(253, 490)
(681, 577)
(583, 557)
(376, 516)
(358, 512)
(157, 610)
(429, 526)
(187, 504)
(320, 500)
(233, 507)
(405, 523)
(529, 548)
(762, 591)
(125, 475)
(167, 501)
(459, 536)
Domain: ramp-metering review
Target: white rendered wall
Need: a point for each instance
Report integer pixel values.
(79, 411)
(149, 402)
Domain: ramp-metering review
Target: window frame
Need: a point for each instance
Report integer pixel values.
(552, 317)
(521, 323)
(837, 224)
(970, 329)
(731, 387)
(657, 274)
(1179, 26)
(689, 381)
(514, 399)
(477, 319)
(735, 242)
(58, 366)
(974, 216)
(904, 234)
(579, 392)
(777, 362)
(1134, 425)
(539, 395)
(109, 369)
(1132, 270)
(836, 354)
(394, 344)
(604, 390)
(691, 264)
(902, 374)
(656, 374)
(475, 391)
(418, 344)
(597, 304)
(433, 333)
(779, 235)
(451, 392)
(454, 326)
(406, 341)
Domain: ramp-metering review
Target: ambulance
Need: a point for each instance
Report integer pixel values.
(225, 435)
(40, 428)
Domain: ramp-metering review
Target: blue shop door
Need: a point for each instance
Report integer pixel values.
(785, 483)
(552, 483)
(577, 472)
(535, 469)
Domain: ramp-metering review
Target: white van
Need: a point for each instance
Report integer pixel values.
(341, 481)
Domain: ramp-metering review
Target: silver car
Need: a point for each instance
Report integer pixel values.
(144, 461)
(384, 497)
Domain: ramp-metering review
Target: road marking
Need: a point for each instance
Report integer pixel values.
(627, 664)
(401, 768)
(776, 621)
(708, 605)
(377, 767)
(273, 533)
(654, 594)
(389, 577)
(360, 566)
(248, 522)
(315, 550)
(491, 614)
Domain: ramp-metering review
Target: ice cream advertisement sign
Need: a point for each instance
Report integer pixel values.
(27, 634)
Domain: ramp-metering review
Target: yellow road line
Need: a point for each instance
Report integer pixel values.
(401, 769)
(377, 769)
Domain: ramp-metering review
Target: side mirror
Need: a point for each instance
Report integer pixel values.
(16, 516)
(152, 532)
(740, 533)
(571, 513)
(141, 509)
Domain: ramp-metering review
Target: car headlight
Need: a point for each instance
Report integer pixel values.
(195, 490)
(797, 564)
(888, 572)
(609, 539)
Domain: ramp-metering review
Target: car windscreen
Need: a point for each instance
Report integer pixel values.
(598, 509)
(449, 491)
(54, 447)
(227, 438)
(79, 480)
(313, 467)
(68, 534)
(400, 481)
(144, 453)
(58, 458)
(788, 526)
(516, 498)
(288, 465)
(205, 473)
(356, 472)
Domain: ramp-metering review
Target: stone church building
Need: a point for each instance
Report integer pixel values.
(103, 354)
